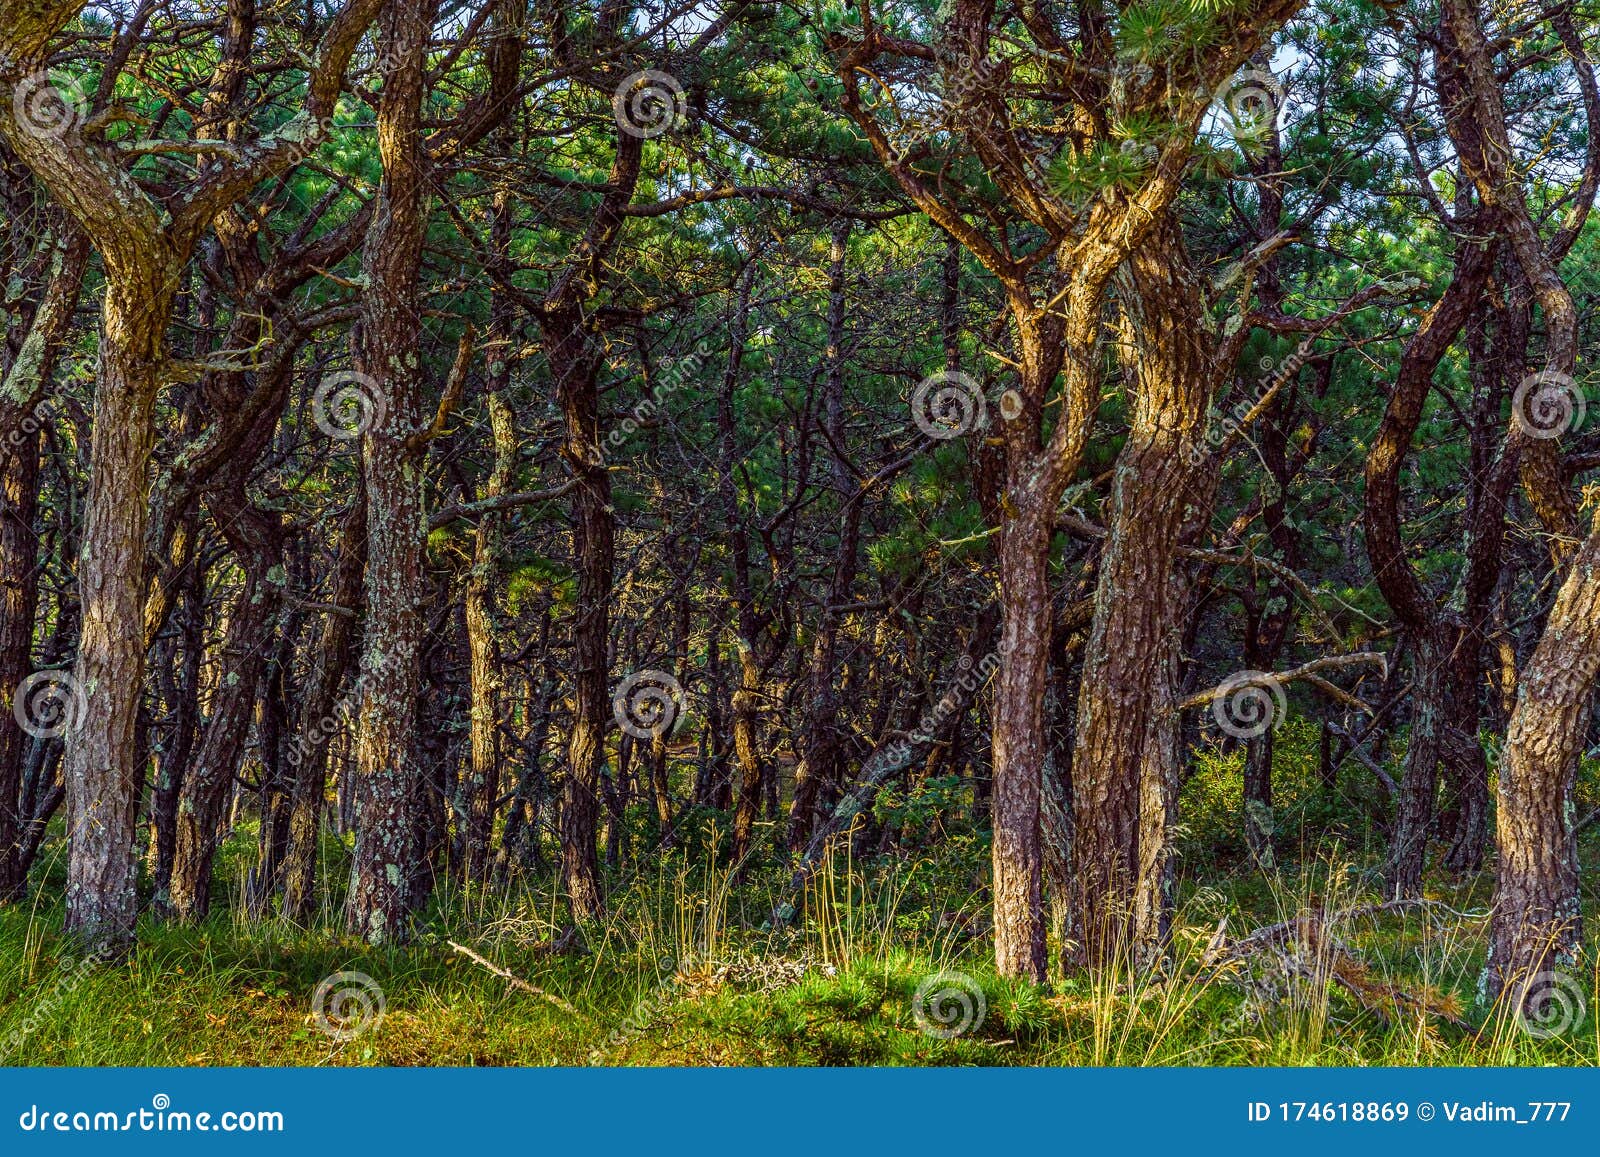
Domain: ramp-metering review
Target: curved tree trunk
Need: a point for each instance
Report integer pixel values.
(258, 538)
(1125, 762)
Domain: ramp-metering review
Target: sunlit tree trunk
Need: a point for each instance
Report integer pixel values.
(1126, 758)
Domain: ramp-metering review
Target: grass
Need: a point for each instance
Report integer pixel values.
(889, 965)
(676, 977)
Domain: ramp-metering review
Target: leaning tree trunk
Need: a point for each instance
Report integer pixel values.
(1537, 921)
(179, 678)
(258, 538)
(1397, 578)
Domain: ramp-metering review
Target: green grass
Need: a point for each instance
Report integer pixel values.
(687, 969)
(675, 978)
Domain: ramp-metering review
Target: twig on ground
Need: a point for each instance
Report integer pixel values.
(512, 978)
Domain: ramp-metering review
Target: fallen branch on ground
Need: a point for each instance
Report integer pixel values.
(514, 980)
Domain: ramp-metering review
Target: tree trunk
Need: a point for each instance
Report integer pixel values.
(383, 868)
(483, 781)
(1125, 763)
(1019, 740)
(593, 546)
(180, 683)
(19, 601)
(819, 757)
(319, 717)
(102, 748)
(1537, 921)
(257, 539)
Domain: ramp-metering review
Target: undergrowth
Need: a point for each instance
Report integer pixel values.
(887, 963)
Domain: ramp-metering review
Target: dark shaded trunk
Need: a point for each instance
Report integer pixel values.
(19, 601)
(819, 755)
(320, 716)
(209, 784)
(575, 366)
(179, 677)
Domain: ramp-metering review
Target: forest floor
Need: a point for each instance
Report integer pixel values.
(889, 962)
(684, 974)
